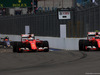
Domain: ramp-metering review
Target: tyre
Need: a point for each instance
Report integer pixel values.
(1, 44)
(18, 46)
(86, 43)
(81, 45)
(5, 44)
(46, 44)
(4, 47)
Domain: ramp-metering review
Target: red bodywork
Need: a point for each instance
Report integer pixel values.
(94, 41)
(33, 43)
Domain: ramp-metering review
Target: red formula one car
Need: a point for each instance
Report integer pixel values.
(28, 43)
(91, 43)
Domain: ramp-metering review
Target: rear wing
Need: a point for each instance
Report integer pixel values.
(93, 33)
(27, 35)
(90, 35)
(99, 33)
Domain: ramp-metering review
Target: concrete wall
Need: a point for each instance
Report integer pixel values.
(11, 37)
(62, 43)
(54, 42)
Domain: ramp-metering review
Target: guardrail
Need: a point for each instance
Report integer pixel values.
(54, 42)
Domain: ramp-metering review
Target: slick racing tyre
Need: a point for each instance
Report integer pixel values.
(86, 43)
(46, 44)
(18, 46)
(81, 45)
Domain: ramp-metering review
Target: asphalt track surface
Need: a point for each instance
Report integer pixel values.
(57, 62)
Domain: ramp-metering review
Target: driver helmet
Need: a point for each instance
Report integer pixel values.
(96, 34)
(6, 38)
(30, 37)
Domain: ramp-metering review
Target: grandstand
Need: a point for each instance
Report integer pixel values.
(50, 4)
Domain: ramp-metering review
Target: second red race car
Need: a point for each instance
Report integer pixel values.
(28, 43)
(91, 43)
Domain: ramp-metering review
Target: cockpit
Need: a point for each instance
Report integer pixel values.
(28, 37)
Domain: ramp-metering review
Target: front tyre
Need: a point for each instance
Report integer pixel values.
(81, 45)
(46, 44)
(19, 45)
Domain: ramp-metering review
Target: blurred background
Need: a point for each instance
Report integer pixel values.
(42, 17)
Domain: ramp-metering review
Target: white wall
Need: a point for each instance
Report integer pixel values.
(11, 37)
(62, 43)
(54, 42)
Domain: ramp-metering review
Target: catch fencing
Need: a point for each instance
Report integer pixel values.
(44, 24)
(47, 24)
(87, 20)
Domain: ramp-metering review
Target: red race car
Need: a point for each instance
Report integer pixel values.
(28, 43)
(91, 43)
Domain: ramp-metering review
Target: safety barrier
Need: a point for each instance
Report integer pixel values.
(11, 37)
(54, 42)
(62, 43)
